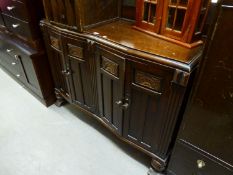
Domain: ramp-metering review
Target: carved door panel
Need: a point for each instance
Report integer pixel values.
(77, 56)
(57, 62)
(110, 78)
(152, 106)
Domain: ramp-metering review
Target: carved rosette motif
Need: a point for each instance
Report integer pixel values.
(55, 42)
(148, 81)
(110, 66)
(75, 51)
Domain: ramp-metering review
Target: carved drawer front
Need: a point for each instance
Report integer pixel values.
(110, 66)
(148, 81)
(55, 42)
(75, 51)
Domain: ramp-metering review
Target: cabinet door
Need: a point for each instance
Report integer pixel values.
(152, 106)
(110, 78)
(57, 63)
(78, 60)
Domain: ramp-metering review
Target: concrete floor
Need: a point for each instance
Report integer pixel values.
(35, 140)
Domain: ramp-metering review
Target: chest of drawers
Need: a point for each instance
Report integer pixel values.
(21, 49)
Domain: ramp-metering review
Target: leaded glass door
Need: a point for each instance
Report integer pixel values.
(149, 14)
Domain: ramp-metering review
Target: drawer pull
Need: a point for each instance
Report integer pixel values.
(15, 25)
(10, 8)
(200, 164)
(18, 75)
(13, 63)
(119, 102)
(16, 57)
(9, 50)
(125, 106)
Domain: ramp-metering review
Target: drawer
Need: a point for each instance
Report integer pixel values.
(9, 50)
(18, 27)
(187, 161)
(16, 9)
(14, 67)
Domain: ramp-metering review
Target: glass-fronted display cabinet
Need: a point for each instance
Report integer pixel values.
(180, 21)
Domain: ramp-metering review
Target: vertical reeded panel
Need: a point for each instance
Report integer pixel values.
(77, 81)
(107, 98)
(110, 78)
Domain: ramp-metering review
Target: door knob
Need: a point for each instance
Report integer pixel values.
(125, 106)
(66, 72)
(119, 102)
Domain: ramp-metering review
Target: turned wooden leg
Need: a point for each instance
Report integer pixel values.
(158, 166)
(60, 100)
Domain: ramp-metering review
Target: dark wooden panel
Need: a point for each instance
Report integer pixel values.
(77, 58)
(57, 62)
(153, 109)
(16, 9)
(208, 122)
(187, 160)
(13, 66)
(76, 14)
(110, 88)
(19, 27)
(102, 10)
(61, 11)
(26, 64)
(30, 72)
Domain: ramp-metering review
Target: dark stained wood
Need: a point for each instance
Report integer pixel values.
(139, 95)
(185, 161)
(151, 116)
(25, 16)
(133, 83)
(110, 73)
(207, 128)
(20, 28)
(121, 32)
(26, 64)
(77, 15)
(16, 9)
(77, 61)
(57, 59)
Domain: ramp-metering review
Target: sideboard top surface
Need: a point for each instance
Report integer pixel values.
(121, 32)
